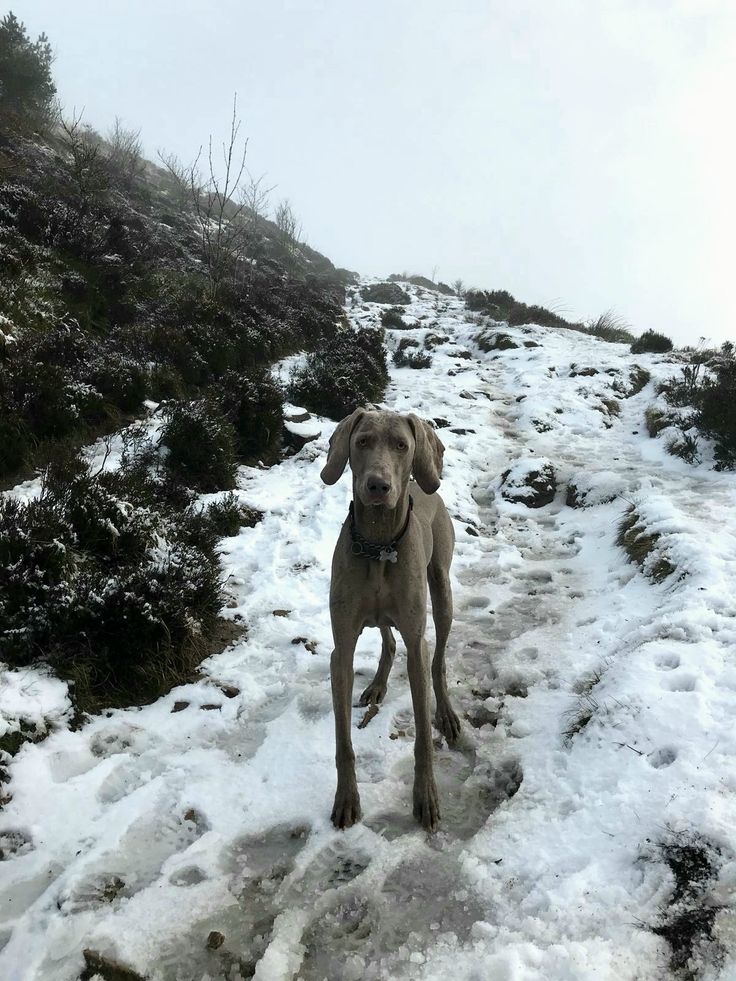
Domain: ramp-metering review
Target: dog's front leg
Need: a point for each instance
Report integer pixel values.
(426, 803)
(346, 810)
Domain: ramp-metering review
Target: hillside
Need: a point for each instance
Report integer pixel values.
(588, 812)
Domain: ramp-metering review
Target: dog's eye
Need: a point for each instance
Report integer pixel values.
(401, 445)
(362, 441)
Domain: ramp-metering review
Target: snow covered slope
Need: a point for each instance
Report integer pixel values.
(190, 839)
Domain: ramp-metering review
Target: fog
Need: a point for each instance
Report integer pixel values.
(578, 155)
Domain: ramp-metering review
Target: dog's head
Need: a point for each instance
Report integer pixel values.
(384, 448)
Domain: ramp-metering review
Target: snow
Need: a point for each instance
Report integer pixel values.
(146, 829)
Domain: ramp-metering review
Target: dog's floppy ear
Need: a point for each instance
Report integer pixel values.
(337, 455)
(428, 454)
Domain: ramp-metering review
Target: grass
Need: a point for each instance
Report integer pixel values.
(656, 421)
(610, 327)
(579, 717)
(640, 545)
(687, 922)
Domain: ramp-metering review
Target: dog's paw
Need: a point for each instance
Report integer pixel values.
(374, 694)
(426, 805)
(346, 809)
(447, 722)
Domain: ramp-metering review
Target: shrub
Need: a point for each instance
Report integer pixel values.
(345, 374)
(489, 341)
(14, 443)
(254, 404)
(120, 380)
(392, 318)
(390, 293)
(716, 409)
(201, 446)
(651, 342)
(109, 580)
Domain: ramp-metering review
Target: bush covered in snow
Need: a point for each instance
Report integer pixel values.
(111, 578)
(348, 372)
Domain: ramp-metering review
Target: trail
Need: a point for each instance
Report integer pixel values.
(597, 706)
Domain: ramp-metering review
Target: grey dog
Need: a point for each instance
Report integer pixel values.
(397, 539)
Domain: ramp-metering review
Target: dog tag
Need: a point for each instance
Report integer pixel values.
(388, 556)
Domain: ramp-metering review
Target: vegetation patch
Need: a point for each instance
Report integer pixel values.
(610, 327)
(112, 578)
(641, 546)
(651, 342)
(200, 445)
(345, 374)
(492, 341)
(656, 420)
(390, 293)
(532, 483)
(708, 391)
(687, 923)
(392, 318)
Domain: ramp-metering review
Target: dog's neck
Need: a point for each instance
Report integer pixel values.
(379, 524)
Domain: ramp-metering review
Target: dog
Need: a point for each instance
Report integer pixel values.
(397, 541)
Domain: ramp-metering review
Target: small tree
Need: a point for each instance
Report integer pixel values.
(255, 196)
(124, 154)
(87, 164)
(459, 287)
(27, 89)
(223, 231)
(289, 228)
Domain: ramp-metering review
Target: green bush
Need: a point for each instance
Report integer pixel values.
(200, 444)
(345, 374)
(254, 404)
(109, 579)
(392, 318)
(651, 342)
(716, 409)
(122, 381)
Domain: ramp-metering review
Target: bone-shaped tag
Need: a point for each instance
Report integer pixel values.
(388, 556)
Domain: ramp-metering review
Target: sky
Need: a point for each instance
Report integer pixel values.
(578, 154)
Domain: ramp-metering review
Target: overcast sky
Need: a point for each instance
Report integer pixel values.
(579, 153)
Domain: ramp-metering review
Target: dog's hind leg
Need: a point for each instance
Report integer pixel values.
(446, 719)
(376, 690)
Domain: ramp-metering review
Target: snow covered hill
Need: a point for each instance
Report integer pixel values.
(588, 814)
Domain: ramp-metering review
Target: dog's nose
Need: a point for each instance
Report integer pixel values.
(377, 485)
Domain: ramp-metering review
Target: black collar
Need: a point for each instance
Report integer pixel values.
(373, 550)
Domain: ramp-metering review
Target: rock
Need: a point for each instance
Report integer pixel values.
(107, 968)
(179, 706)
(229, 691)
(298, 432)
(215, 940)
(441, 423)
(280, 613)
(531, 344)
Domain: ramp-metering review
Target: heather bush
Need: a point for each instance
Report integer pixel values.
(254, 404)
(200, 446)
(651, 342)
(345, 374)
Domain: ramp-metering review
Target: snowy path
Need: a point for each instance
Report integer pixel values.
(209, 811)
